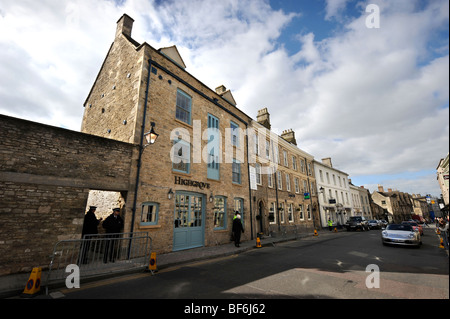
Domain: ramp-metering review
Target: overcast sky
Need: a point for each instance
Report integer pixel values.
(375, 100)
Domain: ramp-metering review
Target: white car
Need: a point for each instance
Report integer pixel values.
(400, 234)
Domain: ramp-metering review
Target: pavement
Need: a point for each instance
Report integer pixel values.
(13, 285)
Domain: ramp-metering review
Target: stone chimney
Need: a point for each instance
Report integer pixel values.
(389, 190)
(380, 188)
(289, 135)
(221, 89)
(327, 161)
(124, 26)
(263, 118)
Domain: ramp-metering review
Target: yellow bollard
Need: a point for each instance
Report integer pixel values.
(33, 285)
(258, 242)
(441, 244)
(152, 264)
(315, 233)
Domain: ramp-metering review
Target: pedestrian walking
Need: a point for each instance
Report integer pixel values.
(90, 227)
(113, 225)
(237, 229)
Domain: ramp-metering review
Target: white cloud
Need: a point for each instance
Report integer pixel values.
(334, 8)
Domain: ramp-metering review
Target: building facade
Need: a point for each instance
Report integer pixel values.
(195, 176)
(360, 201)
(397, 206)
(420, 207)
(284, 185)
(334, 193)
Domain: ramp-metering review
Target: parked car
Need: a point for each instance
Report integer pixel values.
(373, 224)
(400, 234)
(357, 222)
(384, 223)
(415, 226)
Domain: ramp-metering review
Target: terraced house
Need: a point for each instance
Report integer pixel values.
(284, 190)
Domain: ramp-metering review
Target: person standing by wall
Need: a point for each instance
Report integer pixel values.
(113, 225)
(237, 229)
(90, 227)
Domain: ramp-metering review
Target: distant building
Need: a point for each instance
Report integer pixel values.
(396, 206)
(360, 201)
(334, 193)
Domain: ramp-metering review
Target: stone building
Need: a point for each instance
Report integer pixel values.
(360, 201)
(195, 176)
(334, 193)
(397, 206)
(420, 207)
(284, 174)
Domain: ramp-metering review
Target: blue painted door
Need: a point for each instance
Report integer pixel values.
(189, 229)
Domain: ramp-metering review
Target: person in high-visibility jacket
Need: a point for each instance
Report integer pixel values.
(330, 224)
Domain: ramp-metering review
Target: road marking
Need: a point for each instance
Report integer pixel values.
(357, 253)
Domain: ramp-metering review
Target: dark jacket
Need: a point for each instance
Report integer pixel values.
(113, 224)
(90, 223)
(237, 226)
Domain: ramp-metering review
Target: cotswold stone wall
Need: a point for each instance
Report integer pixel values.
(46, 174)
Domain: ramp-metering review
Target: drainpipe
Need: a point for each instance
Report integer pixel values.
(249, 185)
(276, 185)
(141, 149)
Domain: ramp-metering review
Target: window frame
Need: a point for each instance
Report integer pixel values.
(236, 163)
(189, 112)
(217, 211)
(188, 145)
(234, 133)
(156, 214)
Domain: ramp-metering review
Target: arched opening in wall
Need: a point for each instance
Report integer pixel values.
(105, 202)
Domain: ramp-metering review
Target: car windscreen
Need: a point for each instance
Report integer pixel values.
(403, 227)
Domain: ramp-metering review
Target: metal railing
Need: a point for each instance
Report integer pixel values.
(99, 254)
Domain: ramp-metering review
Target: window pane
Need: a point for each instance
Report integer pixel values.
(182, 211)
(183, 107)
(219, 212)
(149, 214)
(236, 172)
(181, 156)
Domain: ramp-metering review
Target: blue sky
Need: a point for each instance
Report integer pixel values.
(374, 100)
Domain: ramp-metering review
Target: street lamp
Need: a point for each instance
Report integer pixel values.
(151, 136)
